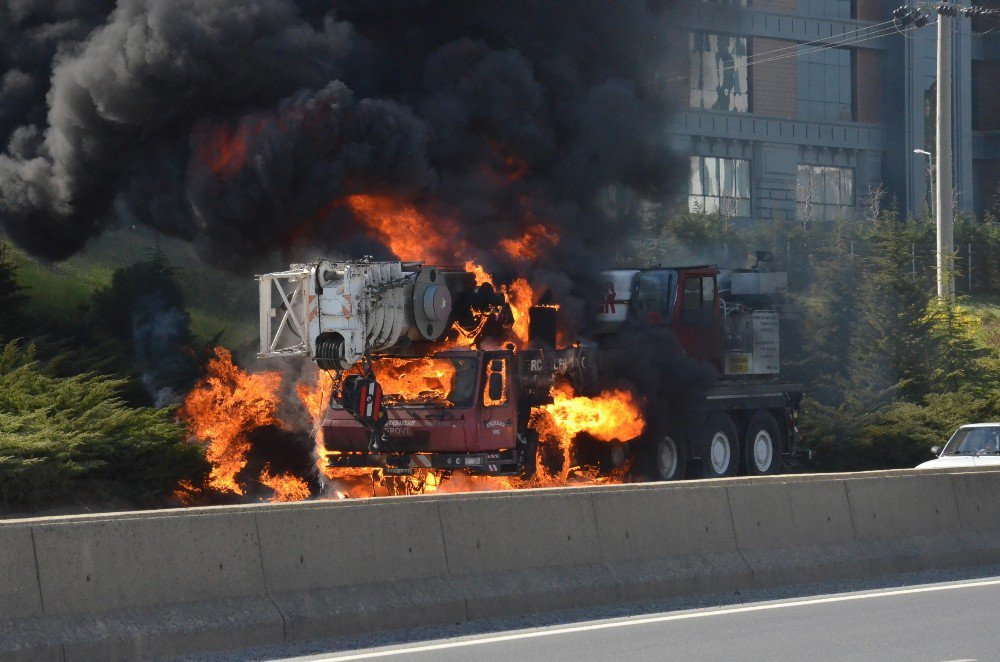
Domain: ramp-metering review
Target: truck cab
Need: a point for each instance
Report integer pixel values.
(455, 409)
(686, 299)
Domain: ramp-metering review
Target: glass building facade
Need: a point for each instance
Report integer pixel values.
(825, 82)
(812, 109)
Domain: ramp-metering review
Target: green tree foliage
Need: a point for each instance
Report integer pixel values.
(887, 346)
(66, 437)
(141, 323)
(11, 296)
(826, 327)
(889, 371)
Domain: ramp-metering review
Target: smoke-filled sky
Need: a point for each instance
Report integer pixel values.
(244, 125)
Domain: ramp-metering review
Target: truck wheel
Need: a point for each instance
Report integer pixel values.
(762, 445)
(529, 453)
(720, 446)
(669, 459)
(618, 455)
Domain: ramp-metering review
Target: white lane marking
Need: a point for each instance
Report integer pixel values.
(652, 619)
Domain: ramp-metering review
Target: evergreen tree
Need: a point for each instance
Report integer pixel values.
(143, 320)
(888, 354)
(11, 296)
(64, 438)
(828, 321)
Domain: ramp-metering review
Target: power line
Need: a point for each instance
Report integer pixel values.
(825, 40)
(827, 44)
(760, 59)
(880, 33)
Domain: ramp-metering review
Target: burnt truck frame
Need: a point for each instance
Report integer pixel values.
(746, 423)
(485, 434)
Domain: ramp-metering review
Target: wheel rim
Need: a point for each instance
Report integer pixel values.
(763, 451)
(666, 457)
(719, 453)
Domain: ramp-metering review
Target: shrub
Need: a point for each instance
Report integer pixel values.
(60, 435)
(11, 296)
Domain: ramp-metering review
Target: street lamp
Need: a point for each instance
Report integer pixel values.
(930, 172)
(943, 203)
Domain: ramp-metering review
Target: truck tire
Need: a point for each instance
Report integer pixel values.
(618, 455)
(669, 459)
(720, 446)
(762, 446)
(528, 444)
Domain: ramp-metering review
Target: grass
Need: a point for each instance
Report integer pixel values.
(232, 332)
(56, 291)
(220, 303)
(987, 308)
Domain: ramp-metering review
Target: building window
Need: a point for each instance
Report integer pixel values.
(826, 8)
(985, 95)
(824, 86)
(719, 72)
(719, 185)
(824, 193)
(986, 186)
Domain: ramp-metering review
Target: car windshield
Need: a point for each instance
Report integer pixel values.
(426, 381)
(974, 441)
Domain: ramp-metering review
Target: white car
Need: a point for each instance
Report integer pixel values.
(976, 445)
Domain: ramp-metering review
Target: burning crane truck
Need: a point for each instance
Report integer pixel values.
(425, 376)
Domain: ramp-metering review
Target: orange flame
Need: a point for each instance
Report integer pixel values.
(404, 230)
(224, 150)
(531, 243)
(222, 408)
(488, 400)
(520, 296)
(315, 395)
(424, 379)
(610, 416)
(402, 380)
(287, 487)
(482, 277)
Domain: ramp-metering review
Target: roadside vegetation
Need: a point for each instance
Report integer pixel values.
(94, 356)
(85, 403)
(889, 371)
(74, 439)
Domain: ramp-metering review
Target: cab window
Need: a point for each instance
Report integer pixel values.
(495, 384)
(652, 296)
(697, 300)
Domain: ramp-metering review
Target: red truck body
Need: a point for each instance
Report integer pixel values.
(482, 425)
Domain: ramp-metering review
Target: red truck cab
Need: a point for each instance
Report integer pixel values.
(473, 424)
(687, 300)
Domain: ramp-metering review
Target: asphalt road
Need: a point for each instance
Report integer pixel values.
(957, 620)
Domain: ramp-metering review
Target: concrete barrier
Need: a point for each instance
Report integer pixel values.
(798, 533)
(147, 585)
(339, 568)
(669, 541)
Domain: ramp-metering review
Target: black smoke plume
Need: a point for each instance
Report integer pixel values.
(242, 125)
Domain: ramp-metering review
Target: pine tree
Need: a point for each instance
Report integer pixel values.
(11, 296)
(829, 318)
(888, 356)
(142, 320)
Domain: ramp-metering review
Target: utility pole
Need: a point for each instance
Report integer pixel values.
(944, 193)
(943, 203)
